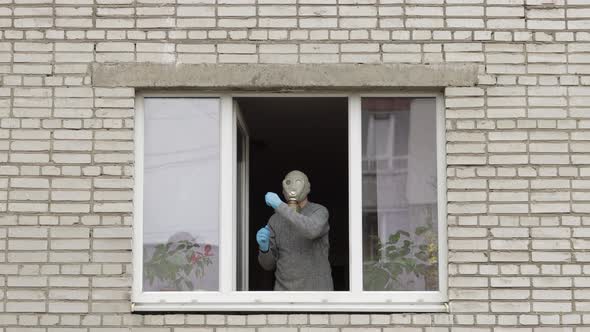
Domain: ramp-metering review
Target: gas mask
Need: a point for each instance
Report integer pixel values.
(296, 186)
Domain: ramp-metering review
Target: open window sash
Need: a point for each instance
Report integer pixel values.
(241, 188)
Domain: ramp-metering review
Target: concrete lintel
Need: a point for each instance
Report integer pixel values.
(282, 76)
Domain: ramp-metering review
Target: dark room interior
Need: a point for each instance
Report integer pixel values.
(309, 134)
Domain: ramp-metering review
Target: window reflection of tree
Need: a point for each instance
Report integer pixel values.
(387, 208)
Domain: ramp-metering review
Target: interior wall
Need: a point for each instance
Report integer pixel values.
(311, 135)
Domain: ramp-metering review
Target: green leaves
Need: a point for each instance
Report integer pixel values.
(177, 263)
(393, 238)
(421, 230)
(403, 253)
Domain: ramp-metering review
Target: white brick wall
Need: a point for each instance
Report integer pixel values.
(518, 148)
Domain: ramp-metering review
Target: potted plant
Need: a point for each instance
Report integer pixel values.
(403, 253)
(178, 262)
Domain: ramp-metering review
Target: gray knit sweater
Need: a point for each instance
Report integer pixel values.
(299, 248)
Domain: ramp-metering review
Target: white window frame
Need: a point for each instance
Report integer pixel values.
(227, 298)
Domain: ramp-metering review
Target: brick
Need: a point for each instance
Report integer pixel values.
(516, 150)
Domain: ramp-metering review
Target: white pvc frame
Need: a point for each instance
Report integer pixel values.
(227, 298)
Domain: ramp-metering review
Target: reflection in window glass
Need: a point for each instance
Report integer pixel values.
(400, 232)
(181, 194)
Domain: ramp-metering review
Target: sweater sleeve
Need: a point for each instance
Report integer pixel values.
(268, 260)
(312, 226)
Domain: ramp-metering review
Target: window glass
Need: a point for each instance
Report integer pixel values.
(181, 194)
(400, 237)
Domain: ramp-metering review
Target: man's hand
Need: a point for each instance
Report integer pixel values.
(263, 238)
(272, 200)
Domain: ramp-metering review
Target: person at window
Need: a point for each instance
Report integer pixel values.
(295, 242)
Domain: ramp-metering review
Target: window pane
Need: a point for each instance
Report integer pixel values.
(181, 194)
(400, 232)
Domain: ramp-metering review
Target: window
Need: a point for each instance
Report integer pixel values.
(181, 194)
(203, 163)
(400, 235)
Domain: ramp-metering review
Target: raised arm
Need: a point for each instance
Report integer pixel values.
(312, 226)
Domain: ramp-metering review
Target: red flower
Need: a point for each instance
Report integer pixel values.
(208, 250)
(195, 257)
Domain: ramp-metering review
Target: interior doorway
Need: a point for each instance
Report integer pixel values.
(309, 134)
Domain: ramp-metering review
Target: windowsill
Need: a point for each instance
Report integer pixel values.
(261, 301)
(290, 307)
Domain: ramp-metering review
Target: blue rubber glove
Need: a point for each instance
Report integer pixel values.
(263, 238)
(272, 200)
